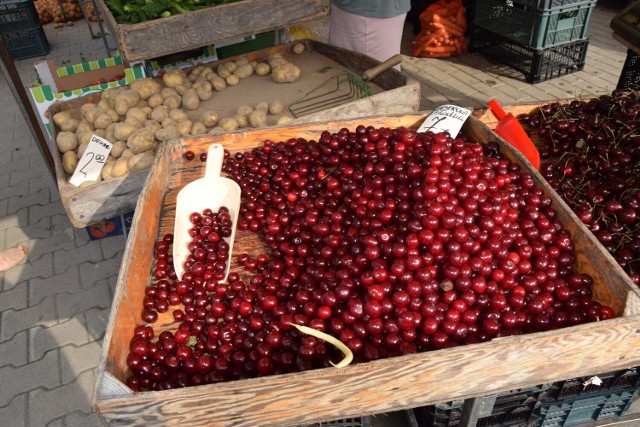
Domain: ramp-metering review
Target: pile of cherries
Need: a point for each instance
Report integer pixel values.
(394, 242)
(592, 149)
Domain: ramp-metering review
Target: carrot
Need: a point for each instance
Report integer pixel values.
(450, 30)
(435, 55)
(440, 49)
(447, 23)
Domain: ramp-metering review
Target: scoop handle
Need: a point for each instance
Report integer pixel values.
(373, 72)
(215, 157)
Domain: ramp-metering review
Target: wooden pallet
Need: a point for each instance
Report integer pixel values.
(376, 387)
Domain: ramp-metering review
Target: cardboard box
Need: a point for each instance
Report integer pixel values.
(73, 81)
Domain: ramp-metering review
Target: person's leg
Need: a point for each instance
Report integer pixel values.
(12, 256)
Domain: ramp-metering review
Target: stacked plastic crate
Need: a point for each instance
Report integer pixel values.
(543, 39)
(21, 30)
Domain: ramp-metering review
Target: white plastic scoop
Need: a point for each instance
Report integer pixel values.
(212, 191)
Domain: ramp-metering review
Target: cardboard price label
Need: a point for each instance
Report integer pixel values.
(445, 118)
(92, 161)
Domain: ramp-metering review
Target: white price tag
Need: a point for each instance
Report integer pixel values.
(92, 161)
(445, 118)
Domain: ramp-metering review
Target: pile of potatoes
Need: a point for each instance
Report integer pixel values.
(135, 119)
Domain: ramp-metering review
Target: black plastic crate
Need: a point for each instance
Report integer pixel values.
(537, 65)
(17, 15)
(616, 381)
(537, 29)
(544, 5)
(26, 43)
(364, 421)
(445, 414)
(570, 412)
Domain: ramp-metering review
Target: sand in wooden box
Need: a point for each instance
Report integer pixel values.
(393, 93)
(375, 387)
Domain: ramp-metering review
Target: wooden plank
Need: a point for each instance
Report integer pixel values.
(384, 385)
(394, 93)
(178, 33)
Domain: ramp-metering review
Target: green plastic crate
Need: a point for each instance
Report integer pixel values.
(533, 28)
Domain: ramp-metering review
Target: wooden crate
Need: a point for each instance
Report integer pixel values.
(394, 93)
(179, 33)
(368, 388)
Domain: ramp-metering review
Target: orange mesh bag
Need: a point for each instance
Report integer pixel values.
(443, 25)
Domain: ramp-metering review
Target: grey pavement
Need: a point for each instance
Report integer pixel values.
(55, 306)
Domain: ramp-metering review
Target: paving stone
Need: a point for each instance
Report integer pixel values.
(70, 332)
(58, 422)
(42, 197)
(50, 404)
(112, 246)
(15, 219)
(14, 321)
(92, 272)
(4, 207)
(31, 268)
(66, 282)
(75, 360)
(14, 297)
(16, 411)
(37, 212)
(96, 320)
(14, 352)
(80, 419)
(69, 304)
(18, 235)
(43, 373)
(91, 252)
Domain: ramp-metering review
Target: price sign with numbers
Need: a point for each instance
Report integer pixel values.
(92, 161)
(445, 118)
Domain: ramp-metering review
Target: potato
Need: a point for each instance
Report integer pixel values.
(219, 84)
(167, 133)
(229, 124)
(168, 91)
(190, 100)
(275, 59)
(195, 72)
(106, 169)
(90, 115)
(198, 129)
(204, 89)
(172, 102)
(184, 127)
(262, 69)
(110, 94)
(137, 113)
(133, 122)
(283, 119)
(209, 118)
(258, 118)
(243, 71)
(106, 104)
(102, 121)
(69, 162)
(141, 161)
(231, 66)
(69, 125)
(100, 132)
(155, 100)
(124, 100)
(85, 138)
(66, 141)
(298, 48)
(217, 129)
(232, 80)
(60, 117)
(145, 87)
(242, 60)
(169, 122)
(118, 148)
(90, 183)
(152, 124)
(245, 110)
(83, 127)
(262, 106)
(122, 131)
(114, 116)
(127, 154)
(141, 104)
(178, 115)
(120, 167)
(87, 105)
(82, 148)
(285, 73)
(243, 121)
(160, 113)
(223, 72)
(276, 107)
(141, 140)
(181, 89)
(173, 78)
(206, 74)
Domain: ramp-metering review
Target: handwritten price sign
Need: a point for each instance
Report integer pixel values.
(92, 161)
(445, 118)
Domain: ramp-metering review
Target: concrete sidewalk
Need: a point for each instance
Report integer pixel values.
(54, 308)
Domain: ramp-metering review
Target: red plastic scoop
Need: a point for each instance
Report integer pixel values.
(511, 130)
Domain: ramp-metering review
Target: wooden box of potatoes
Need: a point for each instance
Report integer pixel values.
(247, 92)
